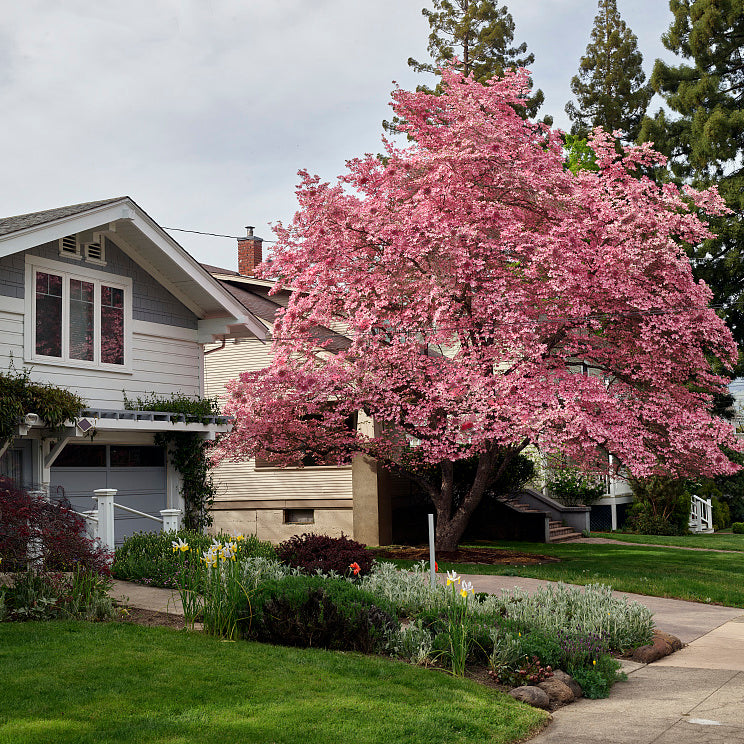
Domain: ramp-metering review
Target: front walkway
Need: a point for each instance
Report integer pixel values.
(696, 695)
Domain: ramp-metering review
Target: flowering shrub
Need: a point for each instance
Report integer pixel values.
(311, 552)
(581, 648)
(572, 487)
(54, 538)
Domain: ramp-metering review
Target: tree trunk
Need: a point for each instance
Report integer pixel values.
(451, 525)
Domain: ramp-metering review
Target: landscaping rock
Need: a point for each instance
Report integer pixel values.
(533, 696)
(661, 645)
(558, 692)
(570, 682)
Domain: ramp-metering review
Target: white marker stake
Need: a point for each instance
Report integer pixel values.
(432, 562)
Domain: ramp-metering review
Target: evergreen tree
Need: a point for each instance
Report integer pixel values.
(481, 35)
(610, 88)
(705, 141)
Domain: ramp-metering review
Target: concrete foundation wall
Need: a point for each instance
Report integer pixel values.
(268, 524)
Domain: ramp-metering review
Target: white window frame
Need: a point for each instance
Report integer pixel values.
(98, 278)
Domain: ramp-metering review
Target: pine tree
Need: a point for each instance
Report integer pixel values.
(610, 88)
(705, 141)
(481, 35)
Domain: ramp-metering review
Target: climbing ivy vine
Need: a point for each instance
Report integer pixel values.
(187, 451)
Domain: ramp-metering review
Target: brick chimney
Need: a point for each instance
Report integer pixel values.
(250, 252)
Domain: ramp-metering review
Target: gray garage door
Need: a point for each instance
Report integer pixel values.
(138, 472)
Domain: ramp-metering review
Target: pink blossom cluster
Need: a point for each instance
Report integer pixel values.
(492, 298)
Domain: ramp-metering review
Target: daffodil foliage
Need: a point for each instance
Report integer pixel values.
(491, 299)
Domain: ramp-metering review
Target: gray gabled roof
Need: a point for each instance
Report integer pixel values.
(262, 306)
(22, 221)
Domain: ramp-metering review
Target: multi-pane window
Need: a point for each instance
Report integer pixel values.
(78, 319)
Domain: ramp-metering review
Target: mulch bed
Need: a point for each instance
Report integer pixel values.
(476, 556)
(149, 618)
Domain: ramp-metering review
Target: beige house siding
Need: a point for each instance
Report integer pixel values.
(253, 501)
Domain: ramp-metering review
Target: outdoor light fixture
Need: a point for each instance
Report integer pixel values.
(85, 425)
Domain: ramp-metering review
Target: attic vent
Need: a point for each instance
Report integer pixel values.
(68, 246)
(94, 253)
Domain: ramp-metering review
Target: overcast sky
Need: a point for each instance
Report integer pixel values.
(203, 110)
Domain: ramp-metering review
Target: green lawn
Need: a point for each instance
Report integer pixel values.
(66, 682)
(660, 572)
(717, 541)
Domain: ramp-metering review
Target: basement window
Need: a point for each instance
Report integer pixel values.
(299, 516)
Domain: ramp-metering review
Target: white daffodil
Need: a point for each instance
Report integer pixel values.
(227, 553)
(467, 586)
(452, 578)
(211, 557)
(179, 544)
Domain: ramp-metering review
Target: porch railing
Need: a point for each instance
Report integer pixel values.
(100, 521)
(701, 514)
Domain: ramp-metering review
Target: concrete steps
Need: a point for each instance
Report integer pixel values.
(560, 533)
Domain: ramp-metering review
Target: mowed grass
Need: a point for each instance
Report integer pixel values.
(66, 682)
(717, 541)
(699, 576)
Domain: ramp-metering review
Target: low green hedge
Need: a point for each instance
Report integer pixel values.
(314, 611)
(738, 528)
(149, 558)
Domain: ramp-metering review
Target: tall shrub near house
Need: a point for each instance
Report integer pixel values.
(44, 536)
(472, 271)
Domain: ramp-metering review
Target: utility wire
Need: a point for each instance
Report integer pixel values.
(214, 235)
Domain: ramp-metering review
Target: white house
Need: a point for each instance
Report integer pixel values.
(98, 299)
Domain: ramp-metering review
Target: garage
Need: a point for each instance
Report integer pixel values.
(138, 472)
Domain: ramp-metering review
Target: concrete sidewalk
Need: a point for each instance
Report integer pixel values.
(147, 597)
(694, 696)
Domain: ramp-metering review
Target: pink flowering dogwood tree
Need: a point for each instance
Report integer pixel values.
(492, 299)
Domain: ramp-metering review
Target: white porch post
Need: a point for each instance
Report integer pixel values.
(171, 519)
(105, 499)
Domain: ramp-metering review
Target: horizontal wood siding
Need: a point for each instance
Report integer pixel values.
(11, 336)
(240, 480)
(227, 363)
(160, 365)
